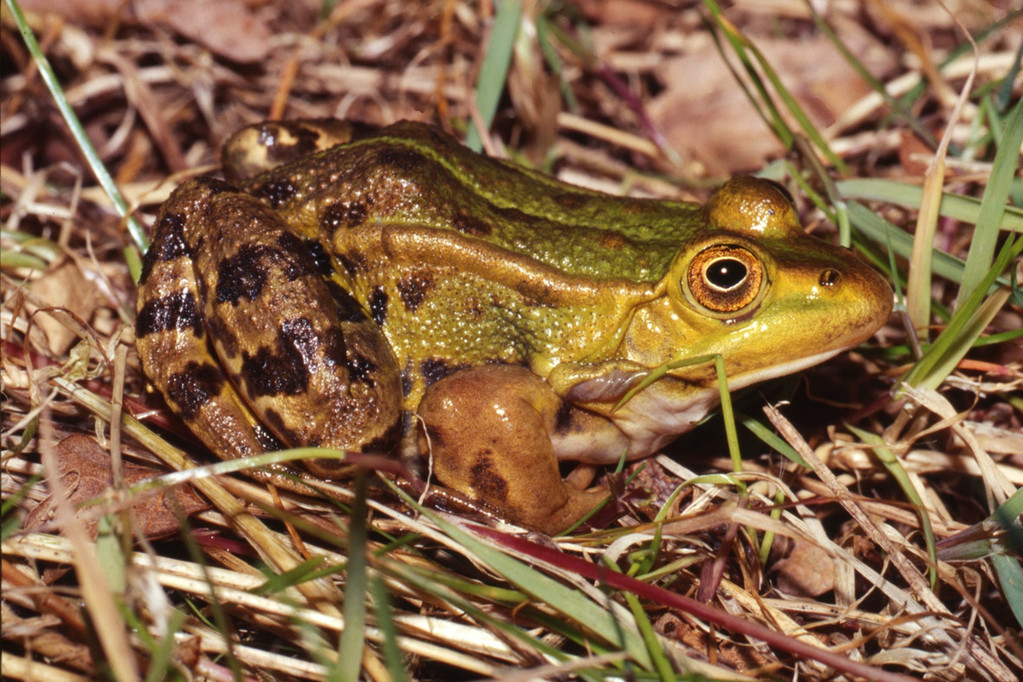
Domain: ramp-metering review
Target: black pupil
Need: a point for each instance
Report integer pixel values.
(726, 273)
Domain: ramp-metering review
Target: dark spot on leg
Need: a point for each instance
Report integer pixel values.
(435, 369)
(361, 369)
(168, 245)
(488, 484)
(413, 289)
(406, 382)
(323, 263)
(267, 374)
(300, 335)
(299, 265)
(343, 215)
(288, 436)
(378, 305)
(335, 351)
(348, 309)
(193, 387)
(224, 335)
(243, 275)
(276, 191)
(283, 370)
(174, 311)
(563, 417)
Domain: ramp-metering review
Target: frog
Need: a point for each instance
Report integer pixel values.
(390, 291)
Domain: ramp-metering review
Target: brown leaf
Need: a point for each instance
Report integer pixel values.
(805, 569)
(85, 471)
(914, 154)
(94, 13)
(62, 286)
(707, 117)
(225, 27)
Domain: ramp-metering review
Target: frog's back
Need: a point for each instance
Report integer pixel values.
(411, 175)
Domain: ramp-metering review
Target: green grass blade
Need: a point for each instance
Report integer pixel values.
(901, 110)
(562, 598)
(1006, 562)
(962, 343)
(763, 103)
(494, 69)
(389, 649)
(963, 329)
(955, 206)
(353, 637)
(772, 440)
(661, 663)
(749, 54)
(1010, 577)
(77, 131)
(985, 236)
(878, 229)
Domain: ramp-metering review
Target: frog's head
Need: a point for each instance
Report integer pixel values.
(755, 289)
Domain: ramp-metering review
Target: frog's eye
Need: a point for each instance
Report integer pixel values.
(725, 278)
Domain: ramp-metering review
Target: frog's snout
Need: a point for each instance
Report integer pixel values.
(870, 297)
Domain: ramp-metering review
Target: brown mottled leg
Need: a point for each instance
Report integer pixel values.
(174, 346)
(489, 430)
(237, 319)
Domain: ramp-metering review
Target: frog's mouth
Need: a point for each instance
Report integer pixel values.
(655, 415)
(783, 369)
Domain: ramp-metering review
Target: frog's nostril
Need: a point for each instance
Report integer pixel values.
(829, 278)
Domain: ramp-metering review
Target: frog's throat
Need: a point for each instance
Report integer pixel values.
(653, 417)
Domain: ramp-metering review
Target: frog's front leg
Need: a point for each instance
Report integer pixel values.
(494, 433)
(237, 325)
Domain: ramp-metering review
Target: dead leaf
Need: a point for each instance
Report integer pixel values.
(804, 569)
(914, 154)
(707, 117)
(227, 28)
(62, 286)
(85, 470)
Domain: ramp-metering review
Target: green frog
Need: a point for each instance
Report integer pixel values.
(392, 291)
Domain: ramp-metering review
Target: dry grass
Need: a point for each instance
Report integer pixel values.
(833, 556)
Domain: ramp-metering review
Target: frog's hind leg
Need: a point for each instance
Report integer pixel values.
(175, 351)
(489, 430)
(302, 354)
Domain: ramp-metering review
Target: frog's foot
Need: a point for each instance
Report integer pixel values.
(490, 432)
(264, 146)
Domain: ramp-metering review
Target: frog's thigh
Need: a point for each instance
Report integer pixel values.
(173, 343)
(490, 432)
(303, 352)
